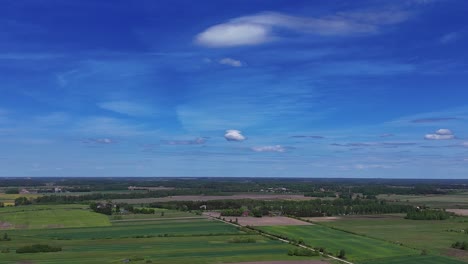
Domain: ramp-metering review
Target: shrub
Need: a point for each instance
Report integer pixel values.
(37, 248)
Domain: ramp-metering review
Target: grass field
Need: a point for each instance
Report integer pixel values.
(34, 217)
(434, 236)
(357, 248)
(414, 259)
(188, 241)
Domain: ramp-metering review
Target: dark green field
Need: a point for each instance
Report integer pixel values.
(357, 248)
(183, 240)
(414, 260)
(433, 236)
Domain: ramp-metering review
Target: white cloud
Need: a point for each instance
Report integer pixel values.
(276, 148)
(234, 135)
(231, 62)
(371, 166)
(441, 134)
(260, 28)
(465, 144)
(197, 141)
(127, 108)
(99, 141)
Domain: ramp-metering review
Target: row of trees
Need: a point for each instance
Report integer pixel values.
(37, 248)
(310, 208)
(428, 214)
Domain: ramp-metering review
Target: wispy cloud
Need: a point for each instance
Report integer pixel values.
(450, 37)
(306, 136)
(197, 141)
(434, 119)
(374, 144)
(231, 62)
(264, 27)
(127, 108)
(275, 148)
(105, 141)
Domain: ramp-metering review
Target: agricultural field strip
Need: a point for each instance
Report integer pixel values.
(287, 241)
(363, 247)
(157, 219)
(435, 236)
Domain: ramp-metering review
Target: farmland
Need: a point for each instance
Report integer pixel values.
(357, 248)
(433, 236)
(172, 241)
(230, 221)
(34, 217)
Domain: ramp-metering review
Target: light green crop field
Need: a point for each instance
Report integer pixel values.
(172, 241)
(34, 217)
(415, 260)
(434, 236)
(357, 248)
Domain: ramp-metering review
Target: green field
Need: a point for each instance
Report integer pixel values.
(34, 217)
(357, 248)
(434, 236)
(414, 260)
(162, 241)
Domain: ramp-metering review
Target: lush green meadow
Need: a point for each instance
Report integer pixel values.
(357, 248)
(33, 217)
(414, 260)
(161, 241)
(199, 249)
(433, 236)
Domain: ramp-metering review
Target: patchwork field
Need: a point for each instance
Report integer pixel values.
(358, 248)
(173, 241)
(433, 236)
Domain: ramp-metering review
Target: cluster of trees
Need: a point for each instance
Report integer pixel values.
(460, 245)
(109, 208)
(143, 210)
(232, 212)
(428, 214)
(38, 248)
(320, 194)
(12, 191)
(302, 252)
(22, 201)
(102, 208)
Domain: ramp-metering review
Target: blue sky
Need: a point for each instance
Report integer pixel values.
(234, 88)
